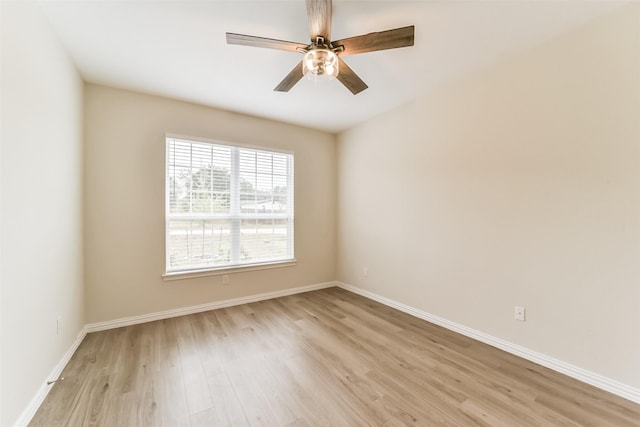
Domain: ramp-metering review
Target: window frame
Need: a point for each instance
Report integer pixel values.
(234, 215)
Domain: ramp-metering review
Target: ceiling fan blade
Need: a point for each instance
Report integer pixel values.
(319, 13)
(350, 79)
(390, 39)
(292, 78)
(256, 41)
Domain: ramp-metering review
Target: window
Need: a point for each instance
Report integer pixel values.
(226, 206)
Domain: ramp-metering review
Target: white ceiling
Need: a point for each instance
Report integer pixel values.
(178, 49)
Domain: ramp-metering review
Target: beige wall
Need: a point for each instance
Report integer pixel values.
(124, 209)
(519, 185)
(41, 169)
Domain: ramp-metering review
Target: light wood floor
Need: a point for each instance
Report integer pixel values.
(327, 357)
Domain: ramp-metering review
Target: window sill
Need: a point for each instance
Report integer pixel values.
(227, 270)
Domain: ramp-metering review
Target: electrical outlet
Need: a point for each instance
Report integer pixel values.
(58, 325)
(225, 279)
(519, 313)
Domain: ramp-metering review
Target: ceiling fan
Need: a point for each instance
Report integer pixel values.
(322, 57)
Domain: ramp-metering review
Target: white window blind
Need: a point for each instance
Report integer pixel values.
(226, 206)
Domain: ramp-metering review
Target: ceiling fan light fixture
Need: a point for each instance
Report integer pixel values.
(321, 59)
(320, 62)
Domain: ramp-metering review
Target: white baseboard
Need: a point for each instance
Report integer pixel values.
(150, 317)
(580, 374)
(28, 413)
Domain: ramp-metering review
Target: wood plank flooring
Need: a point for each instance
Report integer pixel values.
(328, 358)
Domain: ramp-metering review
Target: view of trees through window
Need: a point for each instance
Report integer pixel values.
(227, 205)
